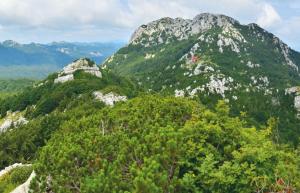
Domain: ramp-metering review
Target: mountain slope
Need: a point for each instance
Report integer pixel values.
(215, 57)
(87, 129)
(76, 82)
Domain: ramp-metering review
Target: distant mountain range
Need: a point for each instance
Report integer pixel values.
(36, 60)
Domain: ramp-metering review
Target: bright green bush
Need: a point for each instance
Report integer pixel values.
(156, 144)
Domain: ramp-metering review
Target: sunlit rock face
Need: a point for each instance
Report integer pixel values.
(12, 120)
(109, 99)
(296, 92)
(180, 28)
(65, 78)
(86, 65)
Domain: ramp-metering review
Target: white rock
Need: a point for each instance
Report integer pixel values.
(11, 121)
(21, 121)
(24, 188)
(292, 90)
(285, 50)
(218, 86)
(11, 167)
(110, 98)
(81, 64)
(251, 65)
(6, 125)
(296, 92)
(66, 78)
(166, 28)
(179, 93)
(202, 68)
(149, 56)
(297, 102)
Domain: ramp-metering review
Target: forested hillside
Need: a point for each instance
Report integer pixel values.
(205, 105)
(214, 57)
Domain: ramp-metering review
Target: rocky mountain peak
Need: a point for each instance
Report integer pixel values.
(83, 64)
(210, 53)
(217, 19)
(164, 29)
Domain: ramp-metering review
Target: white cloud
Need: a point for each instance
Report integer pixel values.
(289, 32)
(268, 17)
(58, 13)
(87, 20)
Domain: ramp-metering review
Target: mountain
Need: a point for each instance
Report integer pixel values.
(38, 60)
(85, 129)
(214, 57)
(202, 105)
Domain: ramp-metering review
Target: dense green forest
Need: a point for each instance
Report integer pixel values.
(163, 144)
(11, 86)
(151, 144)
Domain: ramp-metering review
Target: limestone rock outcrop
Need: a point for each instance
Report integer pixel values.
(295, 91)
(84, 64)
(14, 119)
(109, 99)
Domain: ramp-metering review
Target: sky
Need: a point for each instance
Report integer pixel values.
(46, 21)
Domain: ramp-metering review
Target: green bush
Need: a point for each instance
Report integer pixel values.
(157, 144)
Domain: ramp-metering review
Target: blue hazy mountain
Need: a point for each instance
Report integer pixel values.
(36, 60)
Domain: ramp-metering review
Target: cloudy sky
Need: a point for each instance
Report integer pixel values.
(115, 20)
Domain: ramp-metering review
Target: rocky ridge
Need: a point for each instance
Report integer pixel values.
(180, 28)
(227, 33)
(86, 65)
(213, 57)
(214, 37)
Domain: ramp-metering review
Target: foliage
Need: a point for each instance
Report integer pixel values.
(168, 71)
(164, 144)
(49, 96)
(20, 144)
(17, 176)
(10, 86)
